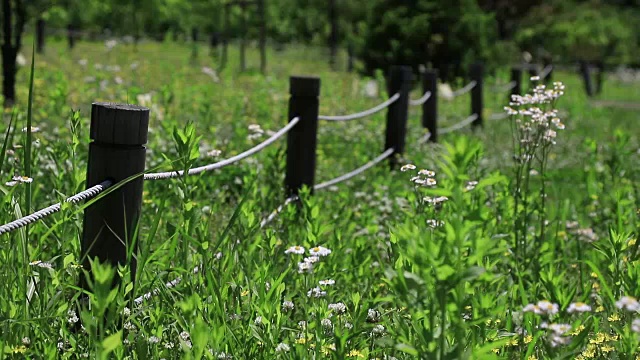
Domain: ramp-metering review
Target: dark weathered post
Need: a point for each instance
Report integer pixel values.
(399, 83)
(516, 79)
(477, 102)
(430, 107)
(546, 62)
(40, 31)
(585, 70)
(262, 13)
(71, 36)
(599, 76)
(301, 140)
(116, 153)
(533, 70)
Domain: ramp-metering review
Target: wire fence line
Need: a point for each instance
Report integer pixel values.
(420, 101)
(361, 114)
(465, 89)
(459, 125)
(43, 213)
(229, 161)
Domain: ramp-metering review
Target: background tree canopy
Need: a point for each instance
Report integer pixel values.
(447, 34)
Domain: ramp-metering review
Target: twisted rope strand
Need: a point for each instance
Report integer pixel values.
(355, 172)
(546, 71)
(362, 114)
(43, 213)
(504, 87)
(229, 161)
(498, 116)
(420, 101)
(465, 89)
(459, 125)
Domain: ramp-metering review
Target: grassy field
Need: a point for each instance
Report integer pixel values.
(533, 259)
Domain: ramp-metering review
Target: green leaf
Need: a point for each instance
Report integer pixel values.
(443, 272)
(112, 342)
(407, 349)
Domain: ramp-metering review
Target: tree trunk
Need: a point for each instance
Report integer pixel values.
(9, 74)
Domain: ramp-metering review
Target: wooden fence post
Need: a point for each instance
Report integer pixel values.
(302, 139)
(400, 83)
(116, 153)
(585, 70)
(516, 77)
(477, 102)
(430, 107)
(71, 36)
(547, 62)
(40, 35)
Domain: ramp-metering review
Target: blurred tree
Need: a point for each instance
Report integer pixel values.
(448, 34)
(588, 31)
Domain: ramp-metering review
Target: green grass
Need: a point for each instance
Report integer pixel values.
(455, 291)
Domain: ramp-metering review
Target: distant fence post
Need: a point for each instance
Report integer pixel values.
(302, 138)
(399, 82)
(40, 35)
(71, 36)
(117, 152)
(516, 78)
(533, 70)
(585, 70)
(547, 62)
(430, 107)
(477, 102)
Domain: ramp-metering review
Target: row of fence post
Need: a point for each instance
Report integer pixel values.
(119, 134)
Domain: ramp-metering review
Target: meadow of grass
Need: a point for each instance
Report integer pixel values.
(528, 258)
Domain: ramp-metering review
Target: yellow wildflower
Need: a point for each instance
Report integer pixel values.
(355, 353)
(528, 339)
(599, 339)
(614, 317)
(607, 348)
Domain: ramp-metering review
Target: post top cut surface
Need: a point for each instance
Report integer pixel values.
(119, 124)
(304, 86)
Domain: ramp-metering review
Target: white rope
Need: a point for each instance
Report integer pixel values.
(505, 87)
(277, 211)
(43, 213)
(546, 71)
(229, 161)
(169, 285)
(498, 116)
(459, 125)
(465, 89)
(422, 100)
(425, 138)
(355, 172)
(362, 114)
